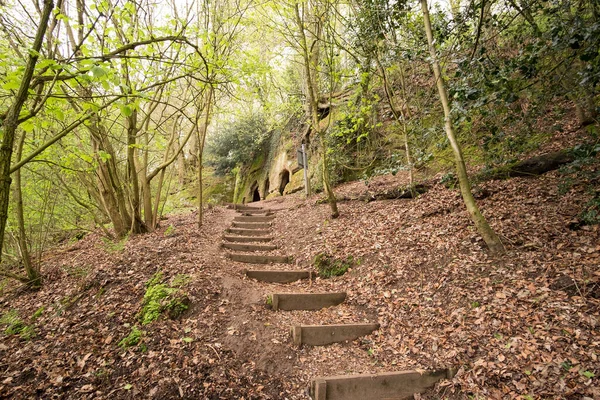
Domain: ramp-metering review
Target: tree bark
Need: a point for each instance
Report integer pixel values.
(489, 236)
(310, 58)
(33, 274)
(11, 121)
(201, 142)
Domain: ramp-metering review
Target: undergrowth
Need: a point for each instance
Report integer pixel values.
(16, 326)
(161, 297)
(328, 266)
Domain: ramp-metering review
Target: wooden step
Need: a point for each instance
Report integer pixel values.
(389, 386)
(255, 212)
(321, 335)
(252, 225)
(246, 239)
(254, 218)
(249, 232)
(249, 247)
(274, 276)
(256, 259)
(306, 301)
(242, 206)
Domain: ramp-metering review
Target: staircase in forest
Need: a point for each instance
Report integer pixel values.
(251, 232)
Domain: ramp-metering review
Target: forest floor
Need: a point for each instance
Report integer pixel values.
(524, 325)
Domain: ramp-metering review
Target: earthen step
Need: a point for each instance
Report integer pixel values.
(246, 239)
(256, 259)
(249, 247)
(306, 301)
(278, 276)
(252, 225)
(249, 232)
(389, 386)
(321, 335)
(254, 218)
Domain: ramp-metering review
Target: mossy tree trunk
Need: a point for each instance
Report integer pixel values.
(489, 236)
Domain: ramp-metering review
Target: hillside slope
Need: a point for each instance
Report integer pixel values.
(525, 325)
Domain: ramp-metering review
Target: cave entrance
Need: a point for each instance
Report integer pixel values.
(256, 194)
(285, 179)
(266, 191)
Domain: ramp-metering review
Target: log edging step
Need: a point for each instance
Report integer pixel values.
(306, 301)
(321, 335)
(389, 385)
(252, 225)
(259, 259)
(276, 276)
(254, 218)
(248, 232)
(241, 207)
(254, 212)
(245, 239)
(249, 247)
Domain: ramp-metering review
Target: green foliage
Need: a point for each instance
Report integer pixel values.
(113, 246)
(170, 230)
(590, 215)
(16, 326)
(329, 266)
(238, 142)
(449, 180)
(584, 172)
(160, 297)
(134, 338)
(38, 313)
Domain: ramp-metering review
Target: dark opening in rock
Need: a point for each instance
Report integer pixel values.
(285, 179)
(256, 195)
(266, 191)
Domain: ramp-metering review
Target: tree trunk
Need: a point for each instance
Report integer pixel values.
(33, 274)
(310, 58)
(489, 236)
(201, 141)
(11, 121)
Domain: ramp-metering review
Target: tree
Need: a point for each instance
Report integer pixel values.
(12, 118)
(309, 17)
(489, 236)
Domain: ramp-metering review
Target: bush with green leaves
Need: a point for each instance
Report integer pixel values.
(238, 142)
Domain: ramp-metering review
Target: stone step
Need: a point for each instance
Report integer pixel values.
(274, 276)
(321, 335)
(255, 259)
(306, 301)
(242, 207)
(254, 218)
(384, 386)
(246, 239)
(249, 232)
(251, 225)
(249, 247)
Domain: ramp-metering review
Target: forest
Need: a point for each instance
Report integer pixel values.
(450, 175)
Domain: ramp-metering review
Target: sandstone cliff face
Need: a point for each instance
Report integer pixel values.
(275, 173)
